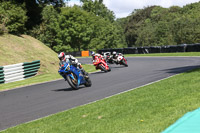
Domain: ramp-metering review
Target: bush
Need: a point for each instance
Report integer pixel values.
(12, 18)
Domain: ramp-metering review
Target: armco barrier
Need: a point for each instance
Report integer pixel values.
(16, 72)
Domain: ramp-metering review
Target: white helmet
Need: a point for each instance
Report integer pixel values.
(114, 52)
(92, 53)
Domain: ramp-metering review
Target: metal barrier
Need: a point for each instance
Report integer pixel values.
(16, 72)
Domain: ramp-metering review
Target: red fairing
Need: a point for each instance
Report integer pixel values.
(100, 61)
(124, 60)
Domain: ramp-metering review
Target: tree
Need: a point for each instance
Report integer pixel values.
(34, 9)
(12, 17)
(98, 8)
(74, 28)
(135, 22)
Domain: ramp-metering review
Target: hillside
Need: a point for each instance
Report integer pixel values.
(18, 49)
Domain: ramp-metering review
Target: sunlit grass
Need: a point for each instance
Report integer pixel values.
(149, 109)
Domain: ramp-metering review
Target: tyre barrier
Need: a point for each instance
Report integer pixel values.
(193, 48)
(20, 71)
(156, 49)
(75, 53)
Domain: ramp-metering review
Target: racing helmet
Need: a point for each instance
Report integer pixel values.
(114, 53)
(61, 56)
(92, 53)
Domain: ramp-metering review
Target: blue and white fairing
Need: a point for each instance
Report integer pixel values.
(67, 69)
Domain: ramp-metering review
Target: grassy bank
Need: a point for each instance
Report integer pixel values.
(148, 109)
(18, 49)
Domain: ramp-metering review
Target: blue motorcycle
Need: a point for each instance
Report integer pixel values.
(73, 75)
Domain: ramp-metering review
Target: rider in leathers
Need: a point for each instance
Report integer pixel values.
(73, 61)
(114, 57)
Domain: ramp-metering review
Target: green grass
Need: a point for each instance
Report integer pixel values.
(166, 54)
(149, 109)
(40, 78)
(89, 68)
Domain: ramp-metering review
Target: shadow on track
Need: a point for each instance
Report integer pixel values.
(68, 89)
(98, 72)
(181, 69)
(118, 66)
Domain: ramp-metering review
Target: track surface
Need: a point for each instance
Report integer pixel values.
(32, 102)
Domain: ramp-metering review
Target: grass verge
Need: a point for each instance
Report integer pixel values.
(40, 78)
(149, 109)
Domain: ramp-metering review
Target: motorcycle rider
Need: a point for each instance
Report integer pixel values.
(93, 56)
(106, 55)
(114, 56)
(99, 59)
(96, 56)
(72, 61)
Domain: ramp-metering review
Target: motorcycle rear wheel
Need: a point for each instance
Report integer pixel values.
(70, 82)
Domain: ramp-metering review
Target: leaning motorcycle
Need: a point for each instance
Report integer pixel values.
(101, 64)
(109, 59)
(73, 75)
(121, 60)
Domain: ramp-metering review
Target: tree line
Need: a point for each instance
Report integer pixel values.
(158, 26)
(92, 26)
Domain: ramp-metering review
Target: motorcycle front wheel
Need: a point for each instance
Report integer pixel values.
(71, 82)
(102, 67)
(124, 63)
(88, 82)
(109, 69)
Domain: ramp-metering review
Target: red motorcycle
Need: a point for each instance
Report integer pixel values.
(101, 64)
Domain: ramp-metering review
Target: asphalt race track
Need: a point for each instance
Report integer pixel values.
(29, 103)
